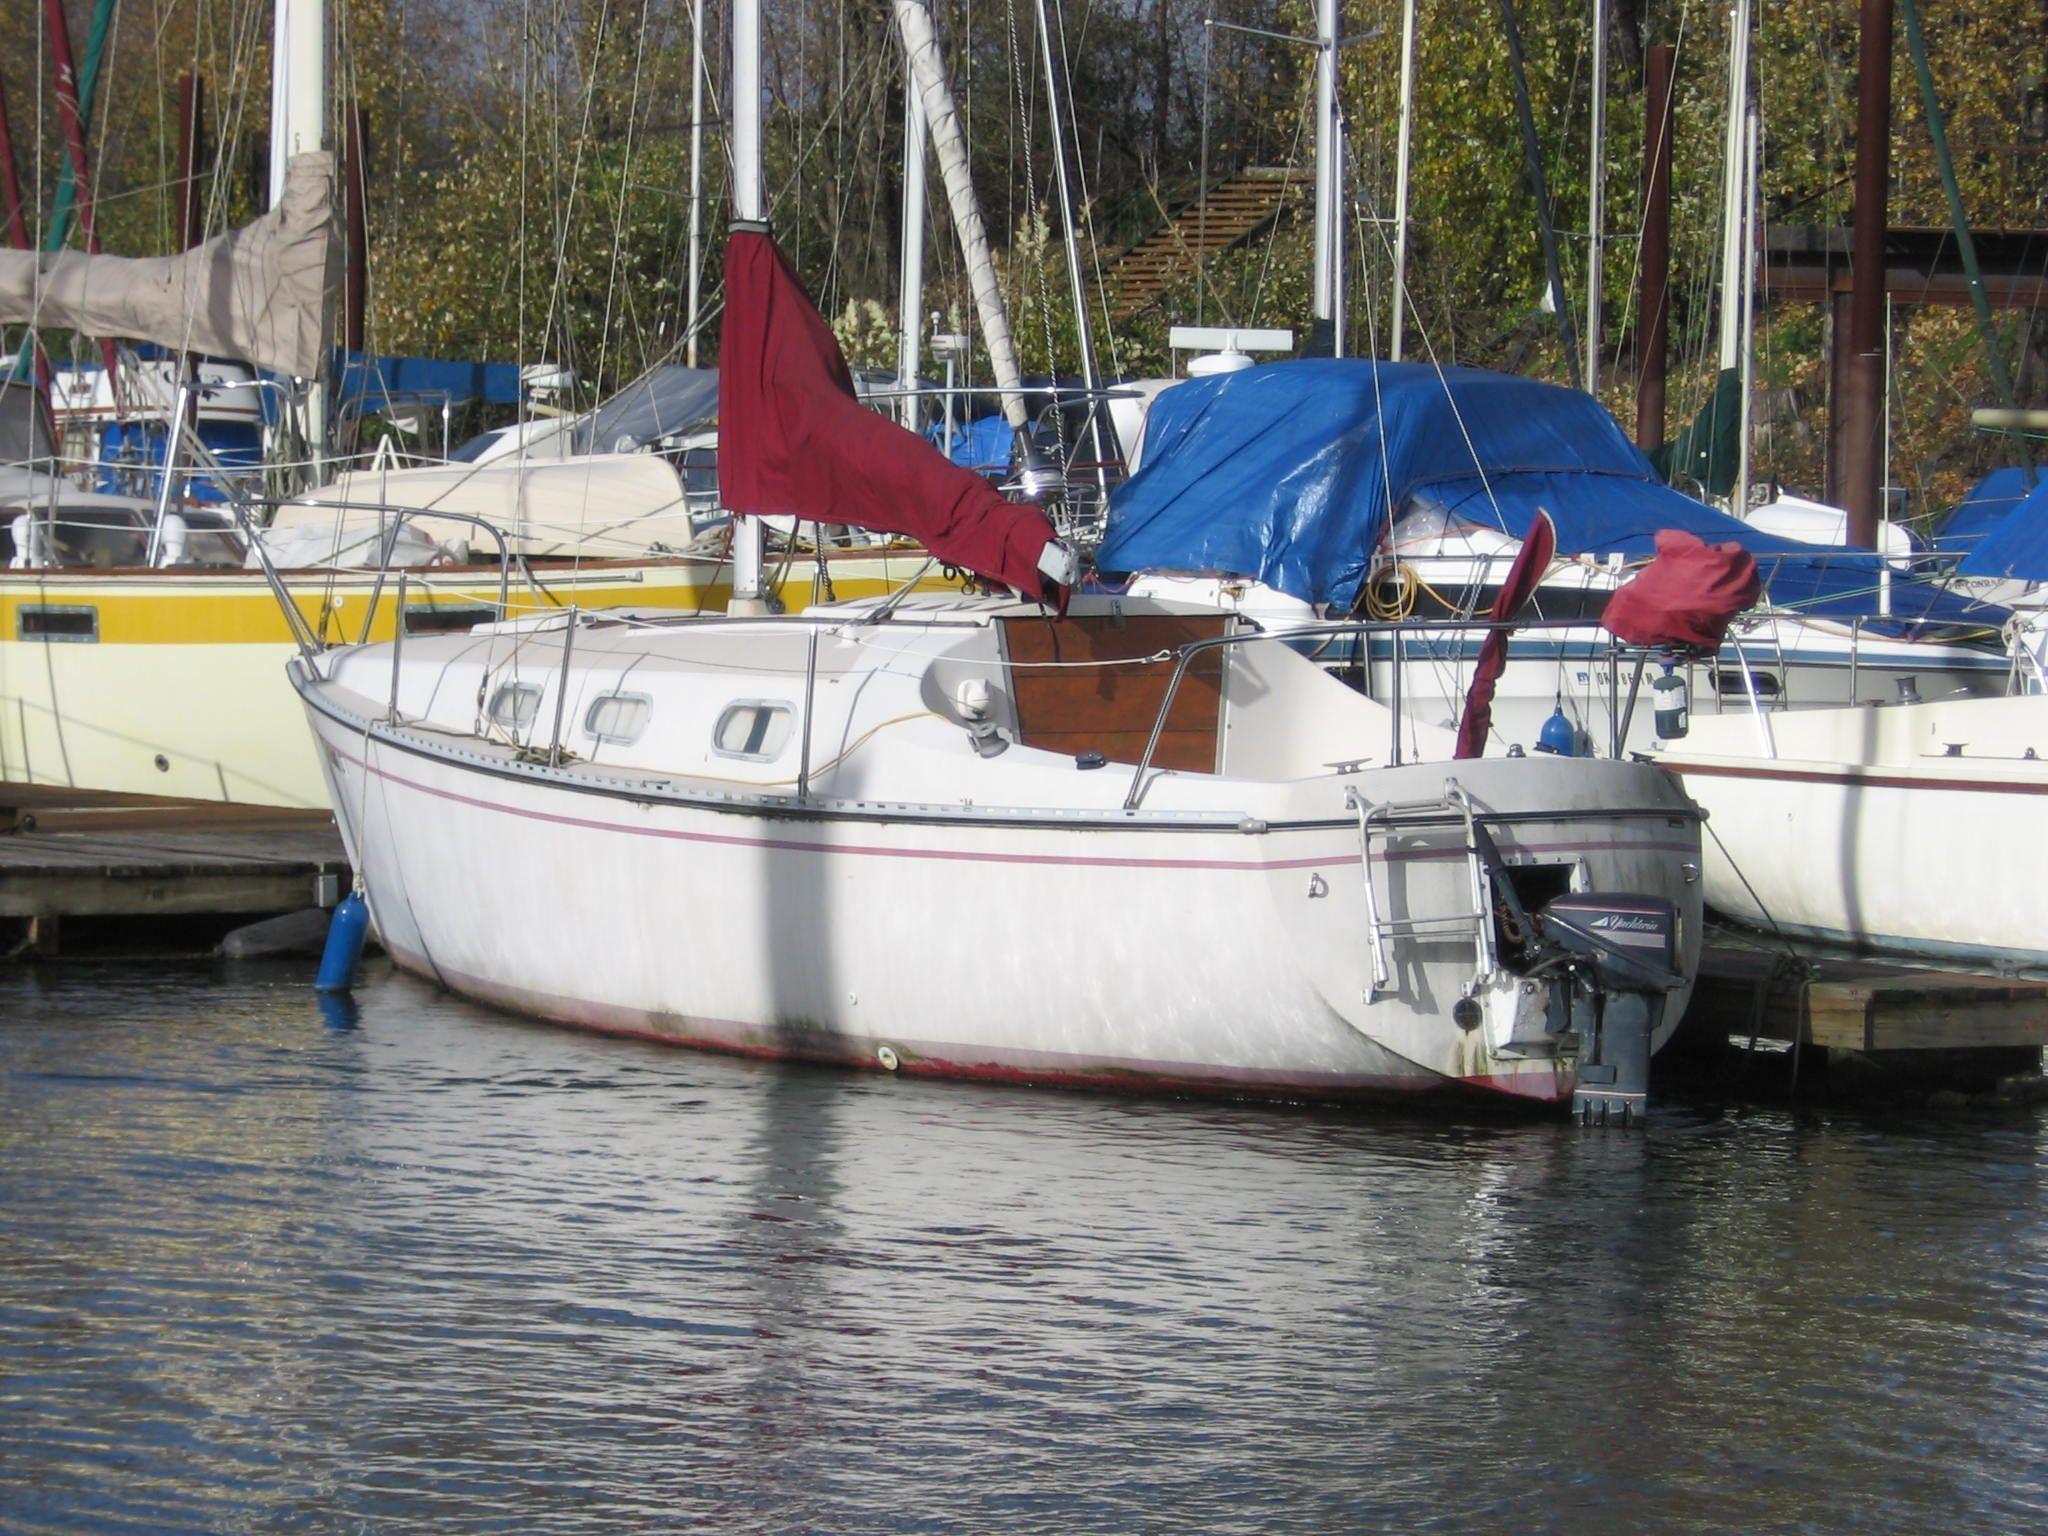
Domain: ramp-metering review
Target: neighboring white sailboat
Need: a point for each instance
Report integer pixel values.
(1908, 829)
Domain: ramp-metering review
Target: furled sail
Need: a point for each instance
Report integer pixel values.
(794, 439)
(264, 293)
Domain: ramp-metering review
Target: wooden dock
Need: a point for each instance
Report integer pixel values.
(1862, 1027)
(1854, 1004)
(72, 859)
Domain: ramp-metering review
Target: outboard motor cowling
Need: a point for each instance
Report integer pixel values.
(1624, 963)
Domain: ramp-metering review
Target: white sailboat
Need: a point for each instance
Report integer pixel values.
(1136, 846)
(1906, 829)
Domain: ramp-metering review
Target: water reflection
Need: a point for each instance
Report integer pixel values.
(449, 1268)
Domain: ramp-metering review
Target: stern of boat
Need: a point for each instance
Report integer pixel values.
(1560, 901)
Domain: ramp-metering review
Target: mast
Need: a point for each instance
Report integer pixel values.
(696, 177)
(191, 151)
(749, 207)
(1596, 197)
(74, 103)
(298, 85)
(1734, 209)
(910, 305)
(1654, 335)
(914, 24)
(1328, 231)
(355, 171)
(1863, 441)
(1752, 198)
(298, 125)
(1401, 177)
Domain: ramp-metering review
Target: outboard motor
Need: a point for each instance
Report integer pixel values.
(1618, 959)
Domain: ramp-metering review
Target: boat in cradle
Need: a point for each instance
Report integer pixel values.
(1906, 829)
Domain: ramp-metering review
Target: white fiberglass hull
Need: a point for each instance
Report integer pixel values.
(1180, 951)
(1790, 665)
(1858, 826)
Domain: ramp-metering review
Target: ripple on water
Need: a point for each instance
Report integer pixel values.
(463, 1272)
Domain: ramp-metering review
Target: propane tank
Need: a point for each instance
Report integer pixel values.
(1674, 711)
(1557, 735)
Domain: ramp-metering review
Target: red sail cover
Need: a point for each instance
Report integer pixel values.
(1684, 599)
(1523, 575)
(794, 440)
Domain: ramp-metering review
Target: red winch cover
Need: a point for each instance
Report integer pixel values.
(1686, 597)
(1537, 548)
(794, 439)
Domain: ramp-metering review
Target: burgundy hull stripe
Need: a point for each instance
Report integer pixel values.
(881, 851)
(1860, 780)
(989, 1065)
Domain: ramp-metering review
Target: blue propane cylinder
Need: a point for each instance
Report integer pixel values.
(346, 934)
(1557, 735)
(1674, 707)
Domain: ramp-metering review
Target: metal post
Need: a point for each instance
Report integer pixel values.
(1752, 201)
(803, 771)
(1613, 698)
(1327, 227)
(1401, 179)
(910, 301)
(561, 687)
(179, 403)
(1596, 193)
(696, 178)
(397, 646)
(1394, 694)
(1628, 714)
(749, 207)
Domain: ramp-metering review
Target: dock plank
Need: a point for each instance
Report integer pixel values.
(1855, 1003)
(87, 854)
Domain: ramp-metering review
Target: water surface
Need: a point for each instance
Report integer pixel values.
(447, 1270)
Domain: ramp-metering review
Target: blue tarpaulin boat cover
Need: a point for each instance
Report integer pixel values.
(983, 446)
(381, 381)
(1987, 505)
(2016, 546)
(1290, 474)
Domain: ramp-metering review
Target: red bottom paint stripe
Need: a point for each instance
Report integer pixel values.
(934, 1060)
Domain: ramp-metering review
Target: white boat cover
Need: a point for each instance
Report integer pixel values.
(603, 506)
(264, 293)
(352, 543)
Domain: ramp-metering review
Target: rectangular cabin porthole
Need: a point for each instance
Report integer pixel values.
(756, 729)
(53, 621)
(427, 619)
(619, 718)
(513, 706)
